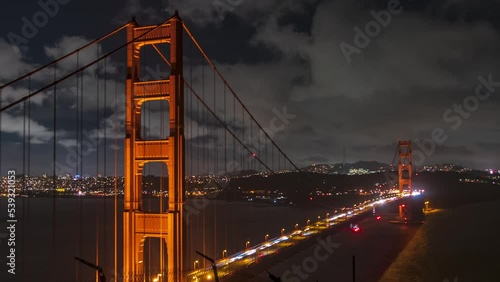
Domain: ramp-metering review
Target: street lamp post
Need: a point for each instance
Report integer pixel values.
(224, 254)
(308, 221)
(247, 245)
(297, 226)
(282, 231)
(265, 237)
(195, 264)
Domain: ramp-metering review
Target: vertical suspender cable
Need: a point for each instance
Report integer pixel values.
(225, 164)
(24, 180)
(243, 139)
(105, 184)
(190, 111)
(146, 132)
(198, 117)
(162, 173)
(273, 158)
(198, 157)
(77, 133)
(1, 130)
(258, 144)
(204, 150)
(216, 174)
(266, 146)
(97, 161)
(115, 191)
(80, 238)
(235, 127)
(252, 160)
(28, 165)
(54, 176)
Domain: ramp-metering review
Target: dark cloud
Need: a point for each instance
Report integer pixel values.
(315, 159)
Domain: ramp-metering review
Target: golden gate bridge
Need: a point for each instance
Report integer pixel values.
(188, 119)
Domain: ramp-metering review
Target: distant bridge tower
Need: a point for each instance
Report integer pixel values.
(405, 166)
(137, 224)
(405, 173)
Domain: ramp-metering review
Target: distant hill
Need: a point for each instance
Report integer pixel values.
(346, 168)
(242, 173)
(444, 188)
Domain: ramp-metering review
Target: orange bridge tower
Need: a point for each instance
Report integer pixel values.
(167, 224)
(405, 166)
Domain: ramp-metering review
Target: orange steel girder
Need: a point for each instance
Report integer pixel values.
(405, 164)
(137, 224)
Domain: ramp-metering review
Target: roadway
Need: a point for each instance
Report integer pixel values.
(249, 263)
(375, 247)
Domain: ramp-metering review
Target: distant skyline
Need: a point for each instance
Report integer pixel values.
(155, 172)
(431, 72)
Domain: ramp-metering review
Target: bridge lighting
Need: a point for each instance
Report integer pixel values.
(224, 252)
(296, 226)
(209, 277)
(247, 245)
(282, 231)
(265, 237)
(195, 264)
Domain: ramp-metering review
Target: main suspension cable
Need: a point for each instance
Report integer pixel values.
(226, 127)
(234, 93)
(65, 56)
(81, 69)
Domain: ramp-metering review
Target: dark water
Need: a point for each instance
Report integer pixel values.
(458, 244)
(49, 233)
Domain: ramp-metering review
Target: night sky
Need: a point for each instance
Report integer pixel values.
(428, 70)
